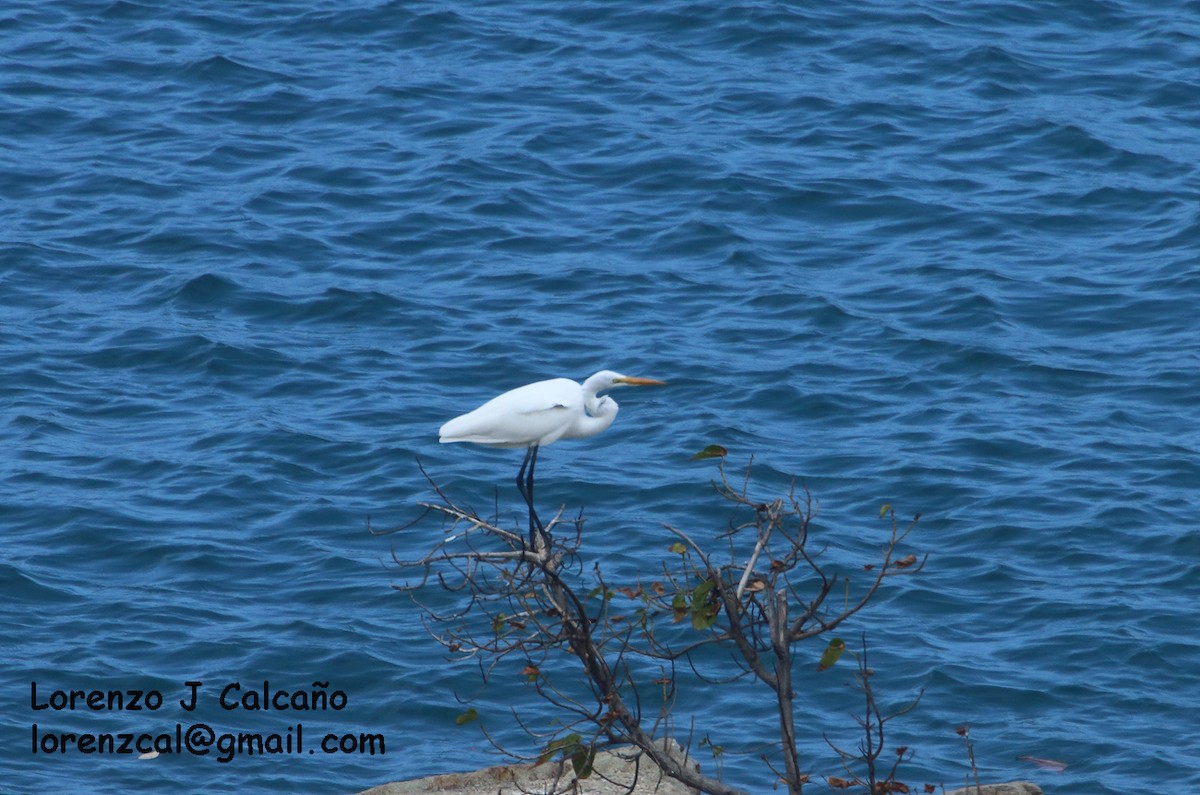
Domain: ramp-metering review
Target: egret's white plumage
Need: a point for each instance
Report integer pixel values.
(541, 413)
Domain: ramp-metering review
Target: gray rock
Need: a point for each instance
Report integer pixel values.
(612, 774)
(1012, 788)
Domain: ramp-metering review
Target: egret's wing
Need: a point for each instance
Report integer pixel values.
(533, 414)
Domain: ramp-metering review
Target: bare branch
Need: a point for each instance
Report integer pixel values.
(535, 600)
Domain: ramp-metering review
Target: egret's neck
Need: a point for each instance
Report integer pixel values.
(600, 414)
(596, 383)
(591, 402)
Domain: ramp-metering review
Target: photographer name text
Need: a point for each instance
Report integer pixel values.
(198, 739)
(232, 696)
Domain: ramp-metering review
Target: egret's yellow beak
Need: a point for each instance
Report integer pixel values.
(631, 381)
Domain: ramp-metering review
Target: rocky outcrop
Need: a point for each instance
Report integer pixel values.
(1012, 788)
(613, 773)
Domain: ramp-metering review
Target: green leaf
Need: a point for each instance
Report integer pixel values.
(570, 746)
(466, 717)
(704, 605)
(679, 606)
(712, 451)
(885, 510)
(553, 747)
(678, 548)
(704, 619)
(582, 761)
(832, 653)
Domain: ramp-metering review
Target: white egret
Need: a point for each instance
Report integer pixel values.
(539, 414)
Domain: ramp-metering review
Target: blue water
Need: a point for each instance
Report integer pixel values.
(940, 255)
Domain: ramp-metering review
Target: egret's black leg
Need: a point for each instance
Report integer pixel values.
(535, 524)
(521, 475)
(534, 521)
(525, 487)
